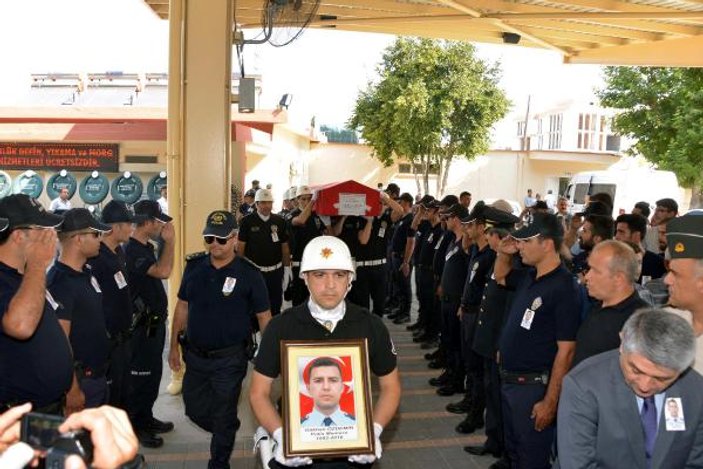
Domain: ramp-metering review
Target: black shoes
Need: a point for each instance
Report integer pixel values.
(450, 389)
(502, 463)
(149, 440)
(440, 380)
(461, 407)
(402, 319)
(414, 327)
(158, 426)
(471, 423)
(432, 355)
(482, 451)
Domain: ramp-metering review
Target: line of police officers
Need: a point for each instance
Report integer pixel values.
(67, 334)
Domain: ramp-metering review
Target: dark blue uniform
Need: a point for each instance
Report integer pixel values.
(263, 248)
(300, 237)
(80, 300)
(148, 338)
(37, 370)
(402, 288)
(221, 304)
(544, 311)
(371, 265)
(452, 283)
(421, 234)
(110, 270)
(424, 274)
(480, 264)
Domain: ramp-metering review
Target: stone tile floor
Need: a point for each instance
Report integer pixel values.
(422, 434)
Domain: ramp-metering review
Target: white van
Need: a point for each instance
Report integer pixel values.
(627, 187)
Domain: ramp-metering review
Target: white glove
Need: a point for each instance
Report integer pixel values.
(287, 275)
(17, 456)
(278, 452)
(369, 458)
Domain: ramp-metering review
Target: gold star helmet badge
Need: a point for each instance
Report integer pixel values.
(679, 247)
(326, 253)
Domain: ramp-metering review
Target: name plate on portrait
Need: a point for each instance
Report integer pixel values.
(352, 204)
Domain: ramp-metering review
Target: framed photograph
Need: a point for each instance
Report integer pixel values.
(326, 398)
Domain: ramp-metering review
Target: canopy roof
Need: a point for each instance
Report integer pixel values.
(635, 32)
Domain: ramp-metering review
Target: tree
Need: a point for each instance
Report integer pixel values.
(662, 109)
(433, 101)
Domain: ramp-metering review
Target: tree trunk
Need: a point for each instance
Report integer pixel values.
(413, 167)
(426, 175)
(696, 197)
(447, 164)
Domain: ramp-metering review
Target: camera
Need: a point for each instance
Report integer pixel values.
(41, 432)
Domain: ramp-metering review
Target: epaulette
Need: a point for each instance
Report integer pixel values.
(304, 418)
(349, 416)
(195, 256)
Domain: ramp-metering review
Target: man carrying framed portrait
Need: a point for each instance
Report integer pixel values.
(325, 350)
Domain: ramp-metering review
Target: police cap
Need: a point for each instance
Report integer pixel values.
(684, 236)
(543, 224)
(220, 224)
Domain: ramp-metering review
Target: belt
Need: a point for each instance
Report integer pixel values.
(371, 263)
(539, 377)
(270, 268)
(217, 353)
(295, 264)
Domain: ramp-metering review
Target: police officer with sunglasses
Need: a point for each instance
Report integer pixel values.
(219, 295)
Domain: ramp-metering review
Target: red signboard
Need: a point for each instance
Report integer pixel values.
(71, 156)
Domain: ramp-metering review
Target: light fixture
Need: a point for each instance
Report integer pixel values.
(511, 38)
(285, 101)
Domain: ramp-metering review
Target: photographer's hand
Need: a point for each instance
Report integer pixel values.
(114, 442)
(10, 425)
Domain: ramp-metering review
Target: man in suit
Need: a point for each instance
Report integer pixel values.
(612, 410)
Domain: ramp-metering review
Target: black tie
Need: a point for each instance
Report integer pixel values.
(327, 422)
(649, 426)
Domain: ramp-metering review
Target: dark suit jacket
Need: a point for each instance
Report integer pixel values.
(599, 424)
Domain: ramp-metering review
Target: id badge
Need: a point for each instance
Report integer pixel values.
(673, 415)
(527, 319)
(274, 237)
(95, 284)
(228, 286)
(381, 232)
(120, 280)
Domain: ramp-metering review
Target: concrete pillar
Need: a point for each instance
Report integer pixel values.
(199, 128)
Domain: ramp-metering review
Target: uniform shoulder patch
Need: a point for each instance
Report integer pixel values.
(195, 256)
(349, 416)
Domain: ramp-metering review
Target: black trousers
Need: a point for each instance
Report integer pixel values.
(451, 340)
(425, 296)
(494, 413)
(274, 285)
(211, 388)
(473, 362)
(370, 284)
(402, 288)
(145, 373)
(118, 372)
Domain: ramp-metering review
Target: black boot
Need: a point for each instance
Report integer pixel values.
(441, 380)
(472, 422)
(461, 407)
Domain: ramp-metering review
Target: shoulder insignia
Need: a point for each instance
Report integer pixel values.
(349, 416)
(304, 418)
(195, 256)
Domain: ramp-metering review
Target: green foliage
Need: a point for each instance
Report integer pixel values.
(662, 108)
(433, 100)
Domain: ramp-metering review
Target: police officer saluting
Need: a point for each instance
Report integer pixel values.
(146, 275)
(219, 294)
(328, 271)
(35, 357)
(110, 270)
(80, 311)
(263, 239)
(538, 340)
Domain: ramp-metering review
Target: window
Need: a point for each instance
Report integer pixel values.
(555, 121)
(592, 132)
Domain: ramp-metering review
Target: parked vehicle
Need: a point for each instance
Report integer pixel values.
(626, 187)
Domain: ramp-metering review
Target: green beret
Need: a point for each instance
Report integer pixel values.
(684, 237)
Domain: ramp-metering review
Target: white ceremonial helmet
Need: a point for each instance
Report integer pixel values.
(326, 253)
(263, 195)
(303, 190)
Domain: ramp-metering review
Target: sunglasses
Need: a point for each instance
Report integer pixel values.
(209, 239)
